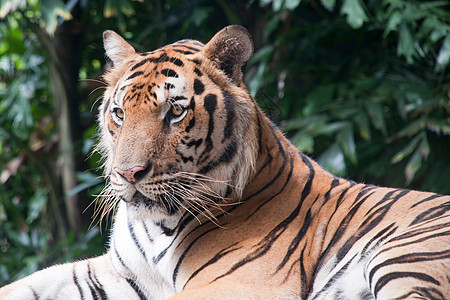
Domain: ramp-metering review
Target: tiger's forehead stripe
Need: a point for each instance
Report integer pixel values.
(165, 62)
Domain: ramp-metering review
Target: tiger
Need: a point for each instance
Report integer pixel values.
(212, 201)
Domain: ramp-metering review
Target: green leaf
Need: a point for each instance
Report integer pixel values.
(277, 5)
(413, 166)
(36, 205)
(328, 128)
(405, 45)
(328, 4)
(303, 141)
(443, 57)
(411, 129)
(412, 145)
(355, 13)
(257, 80)
(87, 180)
(392, 25)
(375, 111)
(333, 160)
(262, 55)
(10, 6)
(362, 121)
(424, 147)
(438, 126)
(292, 4)
(113, 7)
(51, 11)
(346, 140)
(318, 97)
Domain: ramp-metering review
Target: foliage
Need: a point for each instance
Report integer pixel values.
(362, 86)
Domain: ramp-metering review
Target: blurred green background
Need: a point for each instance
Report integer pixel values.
(361, 86)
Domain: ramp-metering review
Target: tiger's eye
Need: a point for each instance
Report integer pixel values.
(177, 110)
(119, 113)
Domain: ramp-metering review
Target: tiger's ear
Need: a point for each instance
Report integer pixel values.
(117, 49)
(230, 49)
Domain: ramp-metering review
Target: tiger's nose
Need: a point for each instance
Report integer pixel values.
(134, 174)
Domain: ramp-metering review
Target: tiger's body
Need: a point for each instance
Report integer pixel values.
(215, 203)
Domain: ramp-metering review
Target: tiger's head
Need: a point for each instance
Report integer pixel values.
(178, 126)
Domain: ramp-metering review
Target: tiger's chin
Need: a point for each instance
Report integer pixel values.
(168, 204)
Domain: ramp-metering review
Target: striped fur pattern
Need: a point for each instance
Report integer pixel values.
(213, 202)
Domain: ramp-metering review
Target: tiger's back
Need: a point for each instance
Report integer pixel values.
(214, 202)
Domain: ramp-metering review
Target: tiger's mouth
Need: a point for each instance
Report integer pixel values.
(169, 202)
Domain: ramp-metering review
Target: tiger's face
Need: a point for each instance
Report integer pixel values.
(174, 123)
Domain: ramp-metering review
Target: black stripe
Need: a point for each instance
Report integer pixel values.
(259, 130)
(35, 295)
(333, 279)
(420, 231)
(414, 233)
(410, 258)
(166, 230)
(268, 160)
(432, 213)
(416, 241)
(185, 252)
(306, 190)
(426, 292)
(226, 156)
(395, 275)
(135, 74)
(169, 73)
(75, 280)
(297, 262)
(296, 241)
(266, 243)
(181, 225)
(121, 88)
(177, 98)
(385, 198)
(379, 236)
(136, 289)
(100, 289)
(344, 223)
(342, 196)
(280, 171)
(162, 58)
(176, 61)
(364, 190)
(198, 72)
(183, 52)
(187, 47)
(95, 286)
(229, 107)
(303, 276)
(210, 104)
(288, 177)
(136, 242)
(199, 87)
(194, 142)
(334, 184)
(139, 64)
(146, 232)
(364, 228)
(168, 86)
(427, 199)
(105, 108)
(213, 260)
(184, 158)
(191, 121)
(118, 256)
